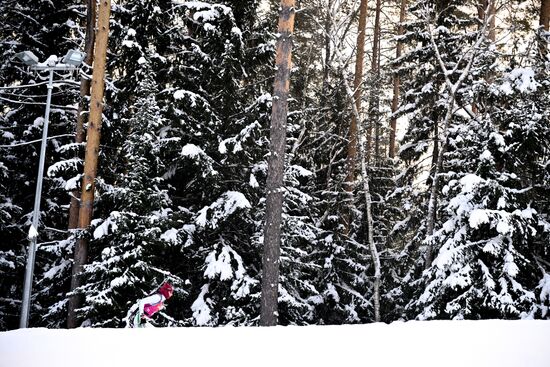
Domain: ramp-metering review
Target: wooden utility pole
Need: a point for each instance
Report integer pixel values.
(274, 201)
(80, 134)
(396, 82)
(91, 157)
(352, 142)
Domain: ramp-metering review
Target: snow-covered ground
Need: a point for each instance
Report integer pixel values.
(433, 343)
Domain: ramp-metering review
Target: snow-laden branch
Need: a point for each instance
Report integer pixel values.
(453, 88)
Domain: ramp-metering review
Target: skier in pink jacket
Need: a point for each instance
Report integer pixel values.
(148, 306)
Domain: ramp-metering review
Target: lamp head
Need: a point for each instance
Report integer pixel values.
(73, 57)
(27, 57)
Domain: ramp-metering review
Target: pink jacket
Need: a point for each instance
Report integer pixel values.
(149, 306)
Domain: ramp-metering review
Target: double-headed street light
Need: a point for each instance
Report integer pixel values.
(71, 61)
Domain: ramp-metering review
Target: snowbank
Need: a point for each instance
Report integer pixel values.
(433, 343)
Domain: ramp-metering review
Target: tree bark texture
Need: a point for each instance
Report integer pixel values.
(326, 66)
(396, 82)
(274, 201)
(544, 22)
(374, 99)
(352, 143)
(91, 156)
(488, 8)
(85, 83)
(545, 14)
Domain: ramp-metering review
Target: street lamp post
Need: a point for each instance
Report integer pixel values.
(71, 61)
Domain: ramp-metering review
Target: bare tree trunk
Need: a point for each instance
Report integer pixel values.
(370, 238)
(396, 81)
(435, 152)
(492, 21)
(544, 22)
(355, 99)
(274, 201)
(352, 143)
(374, 100)
(488, 9)
(91, 157)
(545, 14)
(326, 66)
(80, 134)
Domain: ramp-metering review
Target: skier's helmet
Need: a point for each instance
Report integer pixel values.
(166, 290)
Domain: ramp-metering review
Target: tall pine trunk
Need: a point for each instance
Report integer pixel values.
(274, 201)
(544, 22)
(91, 157)
(396, 82)
(85, 83)
(326, 66)
(352, 143)
(545, 14)
(374, 99)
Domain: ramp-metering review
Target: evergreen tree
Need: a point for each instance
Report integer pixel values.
(491, 257)
(136, 239)
(488, 232)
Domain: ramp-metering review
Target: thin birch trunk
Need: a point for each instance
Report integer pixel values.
(274, 200)
(91, 157)
(368, 206)
(487, 9)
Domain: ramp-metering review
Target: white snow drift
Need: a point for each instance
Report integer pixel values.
(433, 343)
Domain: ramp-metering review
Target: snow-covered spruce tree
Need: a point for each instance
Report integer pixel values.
(211, 117)
(492, 254)
(493, 257)
(45, 28)
(444, 57)
(137, 252)
(236, 142)
(336, 264)
(133, 65)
